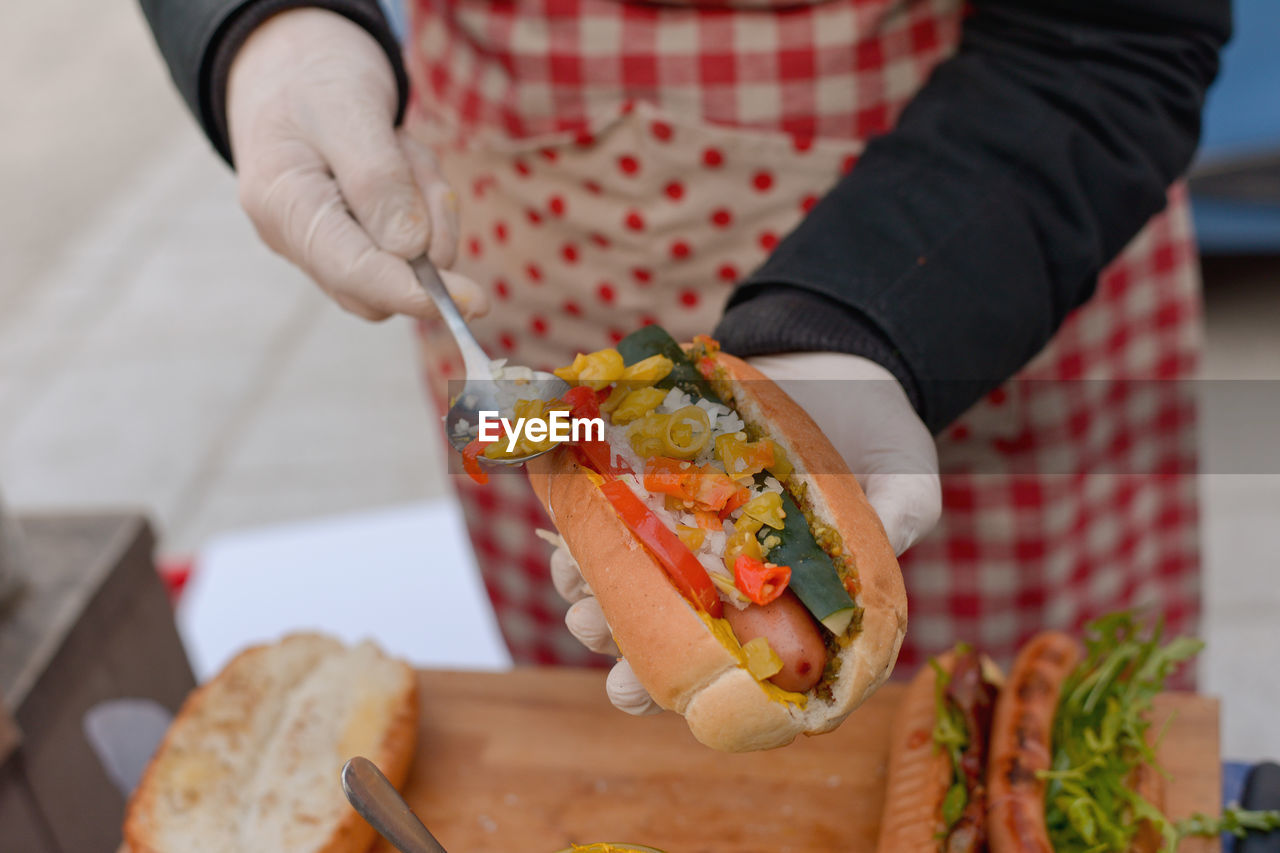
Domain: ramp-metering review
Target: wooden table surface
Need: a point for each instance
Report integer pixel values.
(528, 761)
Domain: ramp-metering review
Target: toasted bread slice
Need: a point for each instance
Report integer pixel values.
(252, 760)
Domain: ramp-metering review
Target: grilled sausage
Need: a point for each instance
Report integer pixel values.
(791, 633)
(1020, 744)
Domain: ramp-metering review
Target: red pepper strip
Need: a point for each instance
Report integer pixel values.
(712, 489)
(594, 454)
(707, 367)
(469, 463)
(666, 476)
(739, 498)
(583, 402)
(702, 486)
(758, 581)
(708, 520)
(676, 559)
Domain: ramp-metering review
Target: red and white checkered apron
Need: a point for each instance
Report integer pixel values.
(622, 163)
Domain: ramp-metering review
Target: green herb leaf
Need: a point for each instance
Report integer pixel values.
(1237, 821)
(953, 804)
(1100, 735)
(1080, 815)
(949, 731)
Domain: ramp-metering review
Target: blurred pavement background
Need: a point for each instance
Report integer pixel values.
(153, 353)
(152, 350)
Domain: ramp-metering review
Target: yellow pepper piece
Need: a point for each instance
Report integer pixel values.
(762, 661)
(743, 541)
(687, 431)
(596, 370)
(645, 435)
(648, 371)
(615, 398)
(721, 631)
(781, 467)
(636, 404)
(727, 588)
(743, 459)
(766, 508)
(570, 373)
(692, 537)
(602, 368)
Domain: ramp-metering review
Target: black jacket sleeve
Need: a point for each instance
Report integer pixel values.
(199, 38)
(962, 238)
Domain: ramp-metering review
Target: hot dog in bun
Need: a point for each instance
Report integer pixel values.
(936, 801)
(743, 573)
(1072, 765)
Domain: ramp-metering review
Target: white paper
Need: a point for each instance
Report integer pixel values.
(404, 577)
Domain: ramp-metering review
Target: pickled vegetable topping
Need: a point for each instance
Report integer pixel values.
(469, 464)
(766, 509)
(760, 582)
(697, 486)
(595, 371)
(653, 340)
(744, 459)
(762, 661)
(632, 405)
(713, 481)
(814, 578)
(681, 434)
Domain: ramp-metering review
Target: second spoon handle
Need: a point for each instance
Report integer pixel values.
(377, 800)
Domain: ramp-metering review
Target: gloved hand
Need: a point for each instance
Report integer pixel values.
(873, 426)
(863, 410)
(327, 179)
(585, 620)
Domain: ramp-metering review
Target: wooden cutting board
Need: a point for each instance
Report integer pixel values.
(529, 761)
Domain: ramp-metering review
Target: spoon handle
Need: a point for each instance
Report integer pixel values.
(377, 801)
(473, 355)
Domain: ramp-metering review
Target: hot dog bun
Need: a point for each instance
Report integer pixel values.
(679, 661)
(919, 773)
(1020, 744)
(252, 759)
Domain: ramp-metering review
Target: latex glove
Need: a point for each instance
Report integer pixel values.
(866, 414)
(327, 179)
(585, 620)
(873, 426)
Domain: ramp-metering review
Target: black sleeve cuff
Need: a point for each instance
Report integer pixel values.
(236, 29)
(199, 39)
(781, 319)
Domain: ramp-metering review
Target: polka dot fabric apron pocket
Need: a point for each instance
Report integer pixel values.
(625, 163)
(651, 218)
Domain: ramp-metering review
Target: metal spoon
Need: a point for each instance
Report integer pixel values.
(377, 801)
(481, 391)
